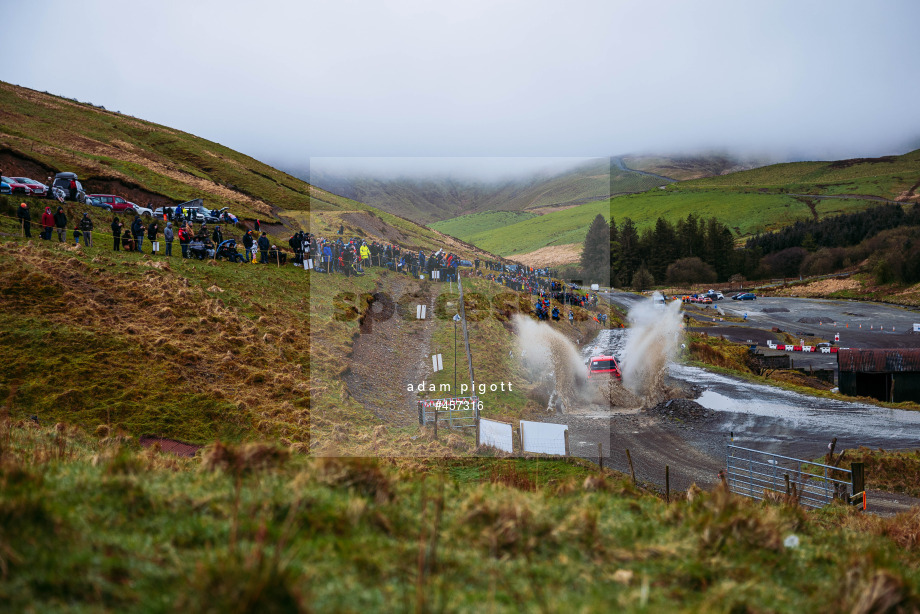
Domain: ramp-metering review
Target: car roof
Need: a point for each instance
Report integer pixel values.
(66, 175)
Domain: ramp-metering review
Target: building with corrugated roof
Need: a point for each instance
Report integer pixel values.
(887, 375)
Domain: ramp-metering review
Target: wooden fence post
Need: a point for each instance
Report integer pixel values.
(667, 484)
(632, 471)
(565, 435)
(858, 477)
(600, 454)
(436, 423)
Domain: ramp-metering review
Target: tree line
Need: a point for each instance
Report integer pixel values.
(696, 250)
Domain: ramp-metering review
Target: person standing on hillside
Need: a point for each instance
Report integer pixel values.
(137, 231)
(169, 235)
(60, 224)
(264, 245)
(25, 220)
(47, 223)
(73, 190)
(86, 227)
(247, 244)
(327, 257)
(184, 238)
(152, 231)
(116, 233)
(218, 236)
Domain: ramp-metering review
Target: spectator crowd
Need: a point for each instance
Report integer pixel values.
(349, 257)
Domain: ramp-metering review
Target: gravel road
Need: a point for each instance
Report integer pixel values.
(761, 417)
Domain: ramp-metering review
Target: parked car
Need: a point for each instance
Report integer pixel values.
(603, 365)
(5, 188)
(38, 188)
(465, 263)
(145, 211)
(704, 299)
(60, 187)
(715, 295)
(196, 212)
(92, 201)
(17, 187)
(119, 204)
(747, 296)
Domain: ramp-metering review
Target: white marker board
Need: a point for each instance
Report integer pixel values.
(543, 437)
(496, 434)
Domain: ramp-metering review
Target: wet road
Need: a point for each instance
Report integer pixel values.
(859, 324)
(761, 417)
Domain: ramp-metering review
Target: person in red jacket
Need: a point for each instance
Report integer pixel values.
(47, 223)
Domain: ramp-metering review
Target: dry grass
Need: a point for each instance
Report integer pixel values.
(551, 256)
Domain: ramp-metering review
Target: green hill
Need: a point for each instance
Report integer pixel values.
(750, 201)
(41, 134)
(891, 177)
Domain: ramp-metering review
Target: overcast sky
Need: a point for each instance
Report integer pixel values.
(287, 81)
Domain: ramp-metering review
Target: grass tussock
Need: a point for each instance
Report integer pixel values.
(718, 352)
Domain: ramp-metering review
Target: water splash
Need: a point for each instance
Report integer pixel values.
(548, 355)
(651, 343)
(553, 360)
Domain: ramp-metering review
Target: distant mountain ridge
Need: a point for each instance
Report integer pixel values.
(437, 199)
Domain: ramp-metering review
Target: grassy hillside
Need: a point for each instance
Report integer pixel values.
(42, 133)
(696, 166)
(93, 524)
(147, 163)
(466, 226)
(893, 177)
(749, 202)
(557, 228)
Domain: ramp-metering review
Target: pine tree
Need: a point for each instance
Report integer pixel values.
(617, 276)
(595, 258)
(629, 249)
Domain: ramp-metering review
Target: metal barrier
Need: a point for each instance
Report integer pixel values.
(753, 473)
(453, 413)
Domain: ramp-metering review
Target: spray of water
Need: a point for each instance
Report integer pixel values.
(547, 354)
(651, 343)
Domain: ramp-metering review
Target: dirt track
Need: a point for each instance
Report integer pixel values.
(391, 354)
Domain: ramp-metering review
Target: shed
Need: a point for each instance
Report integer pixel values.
(891, 375)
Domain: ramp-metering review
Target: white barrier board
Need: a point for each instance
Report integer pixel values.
(543, 437)
(496, 434)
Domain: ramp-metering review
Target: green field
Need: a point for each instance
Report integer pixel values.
(467, 226)
(557, 228)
